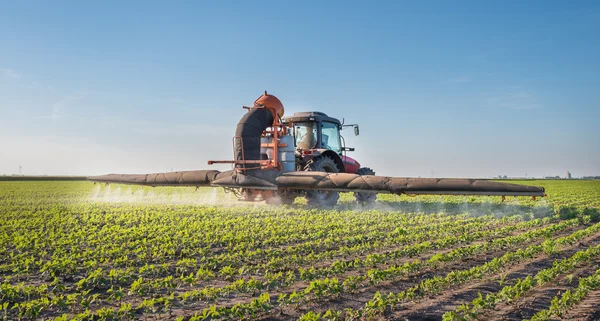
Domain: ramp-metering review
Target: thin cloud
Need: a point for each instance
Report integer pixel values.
(9, 73)
(518, 99)
(460, 80)
(59, 106)
(55, 111)
(180, 101)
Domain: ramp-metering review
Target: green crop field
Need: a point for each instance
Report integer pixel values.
(74, 250)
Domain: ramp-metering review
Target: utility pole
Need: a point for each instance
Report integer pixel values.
(20, 170)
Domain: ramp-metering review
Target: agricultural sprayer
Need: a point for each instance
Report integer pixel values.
(277, 159)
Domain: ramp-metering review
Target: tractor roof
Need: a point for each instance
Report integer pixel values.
(310, 116)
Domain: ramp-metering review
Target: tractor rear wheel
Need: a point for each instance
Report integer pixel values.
(322, 198)
(364, 198)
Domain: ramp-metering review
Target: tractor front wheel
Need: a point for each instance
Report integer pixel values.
(322, 198)
(364, 198)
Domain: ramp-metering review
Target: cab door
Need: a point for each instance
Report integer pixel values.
(330, 137)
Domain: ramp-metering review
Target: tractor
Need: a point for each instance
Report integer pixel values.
(320, 147)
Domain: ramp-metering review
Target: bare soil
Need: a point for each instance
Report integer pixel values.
(432, 308)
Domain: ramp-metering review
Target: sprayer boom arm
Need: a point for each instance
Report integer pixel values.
(340, 182)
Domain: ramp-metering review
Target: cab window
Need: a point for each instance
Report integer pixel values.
(305, 135)
(331, 137)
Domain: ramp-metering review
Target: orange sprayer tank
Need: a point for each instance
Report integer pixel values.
(270, 102)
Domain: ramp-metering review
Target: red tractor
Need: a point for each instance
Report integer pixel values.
(319, 146)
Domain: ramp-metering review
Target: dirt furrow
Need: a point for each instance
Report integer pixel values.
(540, 298)
(432, 308)
(357, 300)
(587, 310)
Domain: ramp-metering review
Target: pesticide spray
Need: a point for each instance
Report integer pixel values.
(165, 196)
(425, 205)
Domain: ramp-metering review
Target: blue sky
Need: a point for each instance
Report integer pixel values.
(468, 88)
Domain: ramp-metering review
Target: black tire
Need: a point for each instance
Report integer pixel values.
(322, 198)
(283, 197)
(364, 198)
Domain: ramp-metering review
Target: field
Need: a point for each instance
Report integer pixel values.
(74, 250)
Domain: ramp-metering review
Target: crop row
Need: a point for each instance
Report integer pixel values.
(513, 292)
(561, 304)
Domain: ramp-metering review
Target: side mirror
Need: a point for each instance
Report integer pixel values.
(356, 131)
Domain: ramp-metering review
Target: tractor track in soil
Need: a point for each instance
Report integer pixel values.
(358, 299)
(540, 298)
(586, 310)
(432, 308)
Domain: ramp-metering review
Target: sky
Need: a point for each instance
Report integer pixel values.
(439, 88)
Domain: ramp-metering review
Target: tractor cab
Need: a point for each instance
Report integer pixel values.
(321, 148)
(315, 130)
(316, 134)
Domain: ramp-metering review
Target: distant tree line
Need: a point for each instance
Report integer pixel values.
(41, 178)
